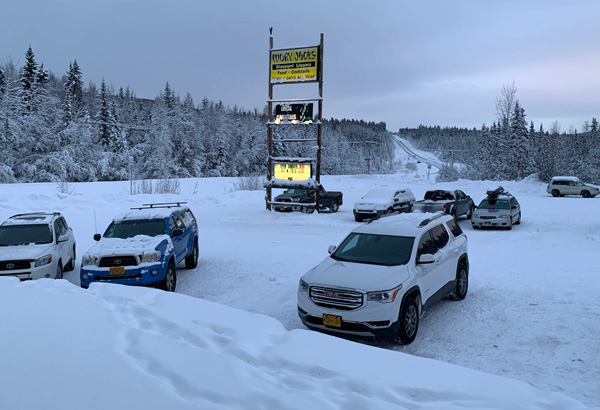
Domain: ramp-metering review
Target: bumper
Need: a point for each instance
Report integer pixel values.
(133, 275)
(367, 213)
(489, 223)
(375, 322)
(46, 271)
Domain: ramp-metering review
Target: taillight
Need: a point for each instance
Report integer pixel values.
(445, 209)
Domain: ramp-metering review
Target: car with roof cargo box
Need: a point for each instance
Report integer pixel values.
(36, 245)
(377, 282)
(143, 247)
(499, 209)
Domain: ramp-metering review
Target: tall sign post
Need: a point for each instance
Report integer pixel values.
(293, 66)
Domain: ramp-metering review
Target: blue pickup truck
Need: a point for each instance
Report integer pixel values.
(143, 247)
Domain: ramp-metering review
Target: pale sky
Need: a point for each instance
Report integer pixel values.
(435, 62)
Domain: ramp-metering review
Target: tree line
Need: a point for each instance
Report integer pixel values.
(511, 148)
(56, 129)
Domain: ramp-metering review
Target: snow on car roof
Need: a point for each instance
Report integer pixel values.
(148, 213)
(405, 224)
(32, 218)
(566, 178)
(379, 193)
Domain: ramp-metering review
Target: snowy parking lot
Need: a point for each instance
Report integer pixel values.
(532, 312)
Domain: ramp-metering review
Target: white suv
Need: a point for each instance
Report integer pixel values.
(383, 275)
(36, 245)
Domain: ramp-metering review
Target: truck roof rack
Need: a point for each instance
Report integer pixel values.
(160, 205)
(426, 221)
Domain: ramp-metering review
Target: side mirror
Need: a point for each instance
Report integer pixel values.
(62, 238)
(331, 249)
(426, 259)
(176, 232)
(513, 207)
(97, 236)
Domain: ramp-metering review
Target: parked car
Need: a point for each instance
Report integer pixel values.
(303, 199)
(144, 247)
(379, 201)
(561, 186)
(499, 209)
(36, 245)
(455, 203)
(383, 275)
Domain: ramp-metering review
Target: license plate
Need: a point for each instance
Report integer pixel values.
(332, 320)
(117, 270)
(487, 223)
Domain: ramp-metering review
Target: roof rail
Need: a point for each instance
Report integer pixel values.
(35, 213)
(160, 205)
(376, 217)
(426, 221)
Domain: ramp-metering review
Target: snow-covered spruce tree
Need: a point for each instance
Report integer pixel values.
(519, 161)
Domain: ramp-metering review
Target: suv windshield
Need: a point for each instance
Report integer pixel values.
(375, 249)
(494, 204)
(129, 229)
(25, 234)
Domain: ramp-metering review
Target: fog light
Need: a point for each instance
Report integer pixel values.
(154, 272)
(84, 276)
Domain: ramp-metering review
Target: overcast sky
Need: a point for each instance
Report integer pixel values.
(434, 62)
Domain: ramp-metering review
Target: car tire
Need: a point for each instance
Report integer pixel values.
(586, 194)
(470, 213)
(509, 227)
(358, 219)
(191, 261)
(555, 193)
(169, 283)
(59, 271)
(71, 265)
(474, 226)
(334, 206)
(409, 321)
(519, 220)
(462, 282)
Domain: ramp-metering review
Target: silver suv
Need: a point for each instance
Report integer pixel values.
(376, 283)
(499, 209)
(561, 186)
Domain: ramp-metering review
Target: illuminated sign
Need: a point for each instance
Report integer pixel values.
(293, 112)
(294, 65)
(293, 172)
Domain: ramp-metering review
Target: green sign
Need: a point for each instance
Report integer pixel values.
(367, 159)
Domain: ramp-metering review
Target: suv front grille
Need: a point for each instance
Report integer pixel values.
(14, 265)
(109, 261)
(487, 217)
(336, 298)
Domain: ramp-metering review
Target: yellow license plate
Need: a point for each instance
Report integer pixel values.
(117, 270)
(332, 320)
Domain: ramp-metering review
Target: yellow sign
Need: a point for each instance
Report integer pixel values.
(292, 172)
(294, 65)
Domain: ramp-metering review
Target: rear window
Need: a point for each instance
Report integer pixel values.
(454, 228)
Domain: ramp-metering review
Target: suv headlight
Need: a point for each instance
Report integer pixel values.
(302, 286)
(44, 260)
(384, 296)
(88, 260)
(150, 257)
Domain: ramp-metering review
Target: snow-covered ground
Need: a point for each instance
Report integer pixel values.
(231, 338)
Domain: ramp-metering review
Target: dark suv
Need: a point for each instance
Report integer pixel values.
(143, 247)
